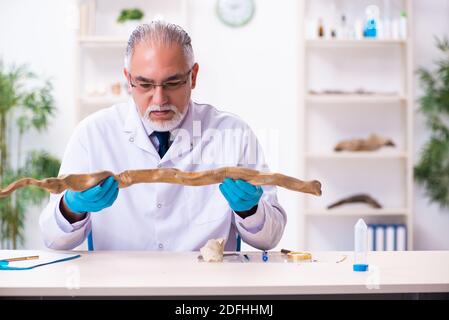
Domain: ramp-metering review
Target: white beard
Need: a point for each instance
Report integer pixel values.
(166, 125)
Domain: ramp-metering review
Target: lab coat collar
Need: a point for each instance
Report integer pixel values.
(178, 147)
(134, 127)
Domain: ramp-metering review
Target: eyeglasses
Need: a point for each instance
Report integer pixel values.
(169, 85)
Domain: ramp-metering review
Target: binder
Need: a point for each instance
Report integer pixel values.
(380, 237)
(371, 237)
(401, 237)
(390, 236)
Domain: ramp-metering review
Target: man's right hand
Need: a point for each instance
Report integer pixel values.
(94, 199)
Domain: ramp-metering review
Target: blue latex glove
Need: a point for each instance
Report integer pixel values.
(241, 195)
(94, 199)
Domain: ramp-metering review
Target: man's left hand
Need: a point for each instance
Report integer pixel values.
(241, 195)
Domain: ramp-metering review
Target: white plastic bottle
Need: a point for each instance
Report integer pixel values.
(360, 246)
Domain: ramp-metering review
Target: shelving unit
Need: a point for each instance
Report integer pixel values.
(95, 41)
(354, 98)
(335, 43)
(358, 212)
(385, 68)
(356, 156)
(101, 47)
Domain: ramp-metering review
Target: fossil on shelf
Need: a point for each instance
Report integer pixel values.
(358, 198)
(81, 182)
(373, 142)
(359, 91)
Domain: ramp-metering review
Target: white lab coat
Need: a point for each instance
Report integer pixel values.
(161, 216)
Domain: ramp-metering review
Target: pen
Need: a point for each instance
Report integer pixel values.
(265, 256)
(5, 262)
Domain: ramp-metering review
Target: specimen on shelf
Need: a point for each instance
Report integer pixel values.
(358, 198)
(372, 143)
(360, 91)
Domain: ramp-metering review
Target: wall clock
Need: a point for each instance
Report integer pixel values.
(235, 13)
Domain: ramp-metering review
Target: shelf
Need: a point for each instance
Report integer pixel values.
(355, 98)
(356, 155)
(102, 41)
(357, 212)
(325, 43)
(102, 101)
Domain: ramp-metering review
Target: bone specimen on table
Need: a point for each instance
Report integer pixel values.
(81, 182)
(362, 198)
(373, 142)
(213, 250)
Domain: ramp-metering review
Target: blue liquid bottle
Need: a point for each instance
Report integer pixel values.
(360, 246)
(372, 20)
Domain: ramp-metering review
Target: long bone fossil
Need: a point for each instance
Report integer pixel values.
(81, 182)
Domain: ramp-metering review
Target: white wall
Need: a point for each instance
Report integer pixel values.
(251, 71)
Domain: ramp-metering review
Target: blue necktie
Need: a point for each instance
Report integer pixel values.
(163, 138)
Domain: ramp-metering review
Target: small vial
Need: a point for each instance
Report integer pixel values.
(360, 246)
(320, 28)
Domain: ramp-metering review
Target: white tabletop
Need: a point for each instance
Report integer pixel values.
(108, 273)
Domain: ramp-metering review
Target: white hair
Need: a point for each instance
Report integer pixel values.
(160, 32)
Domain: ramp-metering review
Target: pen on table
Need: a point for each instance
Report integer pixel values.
(265, 256)
(4, 262)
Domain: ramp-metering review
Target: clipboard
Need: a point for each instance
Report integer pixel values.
(45, 258)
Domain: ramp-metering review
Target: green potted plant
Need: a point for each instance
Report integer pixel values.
(129, 19)
(26, 105)
(130, 14)
(432, 169)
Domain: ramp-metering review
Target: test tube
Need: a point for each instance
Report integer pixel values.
(360, 246)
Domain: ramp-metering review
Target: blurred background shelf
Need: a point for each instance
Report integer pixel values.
(357, 212)
(353, 43)
(101, 41)
(102, 101)
(363, 87)
(355, 98)
(357, 156)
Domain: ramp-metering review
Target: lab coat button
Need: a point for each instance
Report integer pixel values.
(161, 246)
(159, 205)
(131, 139)
(159, 165)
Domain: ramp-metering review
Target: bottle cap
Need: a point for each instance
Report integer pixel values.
(360, 267)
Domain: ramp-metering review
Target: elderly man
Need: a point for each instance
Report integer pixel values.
(161, 127)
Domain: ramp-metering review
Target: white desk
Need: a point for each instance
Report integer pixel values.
(181, 274)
